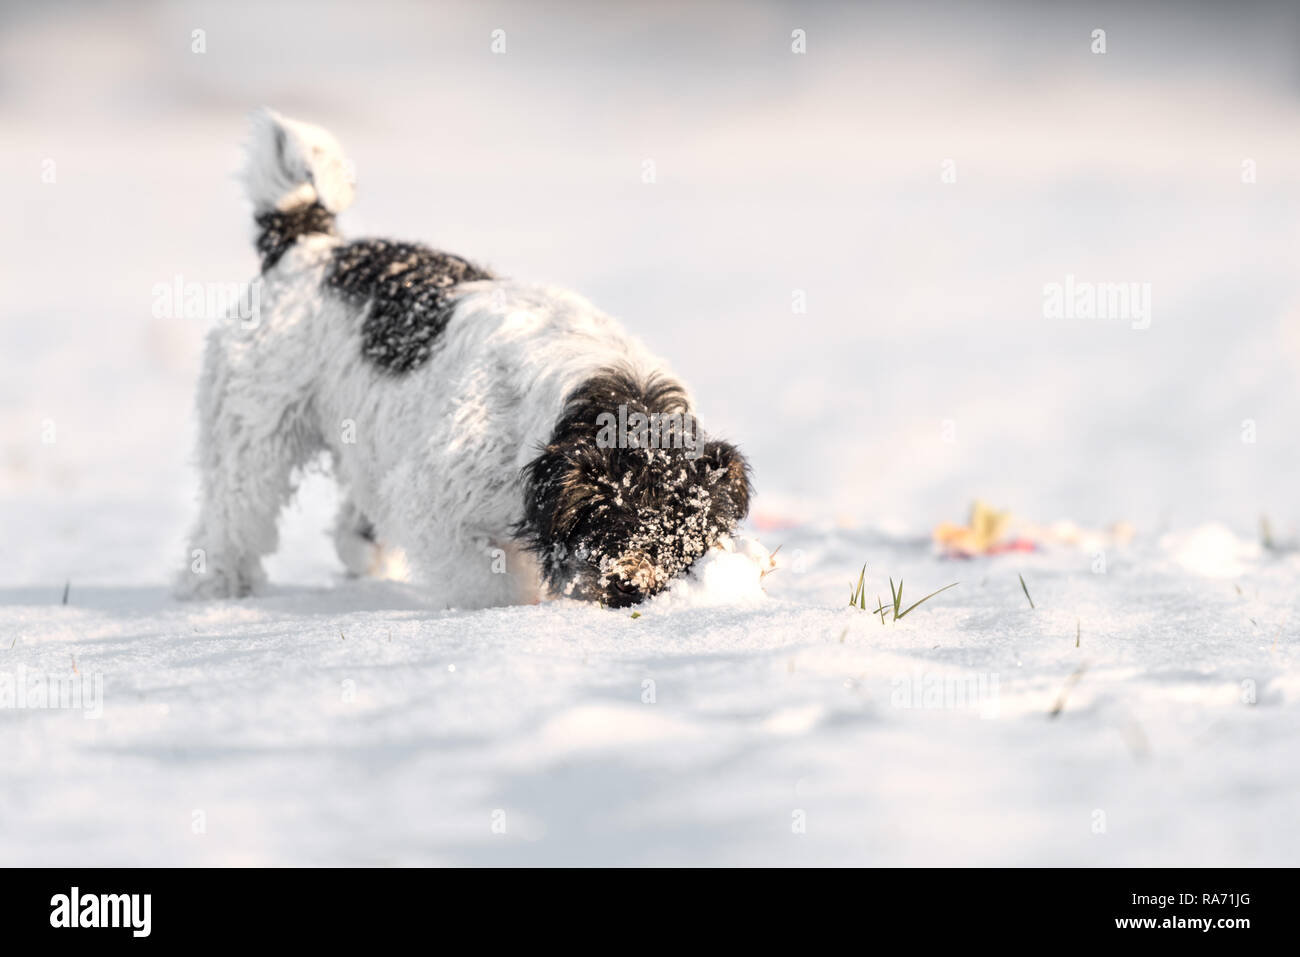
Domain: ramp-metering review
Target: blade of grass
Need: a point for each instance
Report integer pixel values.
(927, 598)
(1070, 682)
(1026, 589)
(859, 593)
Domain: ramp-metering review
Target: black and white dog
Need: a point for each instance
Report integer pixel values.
(510, 439)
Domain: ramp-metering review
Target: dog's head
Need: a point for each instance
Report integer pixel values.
(628, 492)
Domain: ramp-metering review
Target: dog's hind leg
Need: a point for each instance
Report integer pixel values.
(359, 547)
(253, 432)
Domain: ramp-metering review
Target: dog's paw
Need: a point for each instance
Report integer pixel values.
(360, 554)
(360, 550)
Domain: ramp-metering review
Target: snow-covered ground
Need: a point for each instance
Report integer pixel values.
(349, 725)
(347, 722)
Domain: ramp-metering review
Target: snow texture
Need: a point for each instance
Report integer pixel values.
(1144, 712)
(729, 573)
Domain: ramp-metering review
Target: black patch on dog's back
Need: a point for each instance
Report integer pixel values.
(410, 291)
(281, 229)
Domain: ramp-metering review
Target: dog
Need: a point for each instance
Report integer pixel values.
(510, 440)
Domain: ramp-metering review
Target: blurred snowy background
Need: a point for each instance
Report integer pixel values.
(915, 178)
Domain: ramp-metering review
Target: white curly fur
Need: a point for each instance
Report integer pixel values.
(431, 458)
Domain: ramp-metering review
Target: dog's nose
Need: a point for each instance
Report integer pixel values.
(620, 593)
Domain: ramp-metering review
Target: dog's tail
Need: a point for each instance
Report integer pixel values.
(290, 164)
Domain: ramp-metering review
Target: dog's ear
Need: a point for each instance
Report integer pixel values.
(545, 478)
(558, 484)
(729, 471)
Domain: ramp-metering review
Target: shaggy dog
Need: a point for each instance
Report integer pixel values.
(510, 439)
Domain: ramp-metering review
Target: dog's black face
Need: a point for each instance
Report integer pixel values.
(614, 513)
